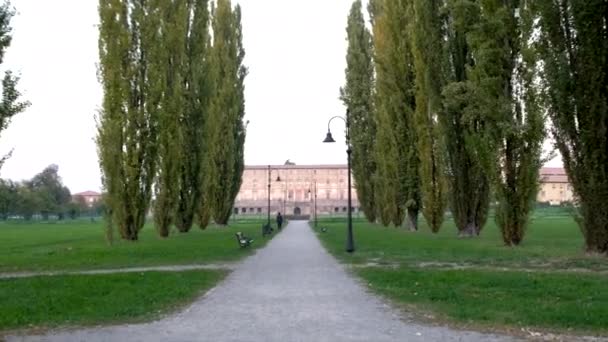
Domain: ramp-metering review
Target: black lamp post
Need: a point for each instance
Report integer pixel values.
(315, 196)
(269, 181)
(350, 243)
(315, 180)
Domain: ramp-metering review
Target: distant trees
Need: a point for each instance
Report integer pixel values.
(171, 127)
(43, 195)
(52, 195)
(10, 105)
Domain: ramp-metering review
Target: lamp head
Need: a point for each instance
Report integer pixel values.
(329, 138)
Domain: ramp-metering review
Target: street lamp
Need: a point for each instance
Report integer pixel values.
(315, 198)
(350, 244)
(269, 182)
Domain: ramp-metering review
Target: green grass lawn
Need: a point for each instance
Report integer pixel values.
(80, 245)
(49, 301)
(551, 242)
(546, 283)
(44, 302)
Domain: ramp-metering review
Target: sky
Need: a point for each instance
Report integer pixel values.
(295, 55)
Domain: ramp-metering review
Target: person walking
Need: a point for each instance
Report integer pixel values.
(279, 220)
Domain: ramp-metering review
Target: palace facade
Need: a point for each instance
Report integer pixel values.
(295, 190)
(555, 187)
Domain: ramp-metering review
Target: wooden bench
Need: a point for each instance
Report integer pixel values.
(243, 240)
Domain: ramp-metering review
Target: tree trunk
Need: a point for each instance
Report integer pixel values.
(412, 220)
(184, 224)
(470, 230)
(594, 225)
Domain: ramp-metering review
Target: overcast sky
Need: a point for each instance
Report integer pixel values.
(295, 54)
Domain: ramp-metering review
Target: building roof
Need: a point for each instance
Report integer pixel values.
(553, 171)
(296, 167)
(87, 193)
(553, 175)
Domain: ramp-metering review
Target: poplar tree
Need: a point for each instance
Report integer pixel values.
(131, 72)
(463, 127)
(240, 127)
(357, 96)
(397, 155)
(10, 104)
(505, 81)
(226, 129)
(194, 118)
(174, 32)
(429, 60)
(573, 46)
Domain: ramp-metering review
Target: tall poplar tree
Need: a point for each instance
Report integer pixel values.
(174, 32)
(10, 105)
(505, 78)
(397, 156)
(429, 60)
(463, 127)
(194, 118)
(226, 129)
(131, 71)
(573, 45)
(357, 96)
(240, 127)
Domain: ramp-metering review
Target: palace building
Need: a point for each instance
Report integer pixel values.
(555, 187)
(295, 190)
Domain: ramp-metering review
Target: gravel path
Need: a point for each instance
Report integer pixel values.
(292, 290)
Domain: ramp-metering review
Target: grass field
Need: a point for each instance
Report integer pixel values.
(43, 302)
(546, 283)
(71, 300)
(80, 245)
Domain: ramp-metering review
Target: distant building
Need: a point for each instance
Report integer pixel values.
(297, 190)
(89, 197)
(294, 193)
(555, 187)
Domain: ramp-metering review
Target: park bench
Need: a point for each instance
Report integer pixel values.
(243, 240)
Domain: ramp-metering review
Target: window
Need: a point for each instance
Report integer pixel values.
(290, 194)
(553, 186)
(259, 210)
(327, 194)
(337, 210)
(344, 209)
(342, 194)
(236, 211)
(251, 210)
(243, 210)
